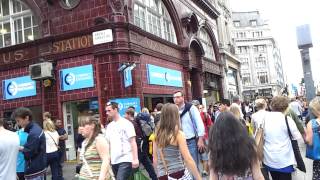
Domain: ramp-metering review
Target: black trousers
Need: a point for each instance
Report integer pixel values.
(280, 176)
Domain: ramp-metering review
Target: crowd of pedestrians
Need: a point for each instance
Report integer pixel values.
(180, 140)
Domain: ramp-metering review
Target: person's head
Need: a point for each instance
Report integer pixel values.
(145, 110)
(236, 99)
(46, 116)
(90, 129)
(200, 107)
(129, 114)
(224, 105)
(315, 106)
(58, 123)
(23, 116)
(231, 149)
(196, 103)
(169, 125)
(261, 104)
(235, 111)
(132, 107)
(279, 104)
(48, 126)
(159, 107)
(178, 98)
(112, 109)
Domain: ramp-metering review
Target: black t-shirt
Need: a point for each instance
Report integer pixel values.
(61, 132)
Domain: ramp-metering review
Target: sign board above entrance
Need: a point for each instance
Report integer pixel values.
(18, 88)
(76, 78)
(104, 36)
(124, 103)
(163, 76)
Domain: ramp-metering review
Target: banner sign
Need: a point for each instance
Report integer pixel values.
(163, 76)
(124, 103)
(77, 78)
(18, 88)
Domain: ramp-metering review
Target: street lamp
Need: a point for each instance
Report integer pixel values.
(304, 43)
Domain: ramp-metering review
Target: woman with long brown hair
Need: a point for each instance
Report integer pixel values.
(170, 148)
(96, 157)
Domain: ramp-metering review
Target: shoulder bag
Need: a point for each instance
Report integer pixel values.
(186, 176)
(300, 164)
(313, 151)
(259, 138)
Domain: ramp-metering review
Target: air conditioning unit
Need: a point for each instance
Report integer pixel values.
(41, 71)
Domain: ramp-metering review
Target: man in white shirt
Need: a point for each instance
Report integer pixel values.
(296, 107)
(9, 149)
(123, 147)
(237, 102)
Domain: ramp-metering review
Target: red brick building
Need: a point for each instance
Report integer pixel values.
(177, 35)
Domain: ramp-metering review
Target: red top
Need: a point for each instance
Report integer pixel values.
(207, 122)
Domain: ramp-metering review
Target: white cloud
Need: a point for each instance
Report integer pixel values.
(284, 16)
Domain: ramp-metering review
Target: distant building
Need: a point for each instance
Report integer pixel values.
(261, 66)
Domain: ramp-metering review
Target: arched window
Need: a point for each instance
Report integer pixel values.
(17, 24)
(153, 17)
(207, 44)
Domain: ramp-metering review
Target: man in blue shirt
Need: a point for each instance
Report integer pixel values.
(192, 125)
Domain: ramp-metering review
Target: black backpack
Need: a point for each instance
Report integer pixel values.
(146, 124)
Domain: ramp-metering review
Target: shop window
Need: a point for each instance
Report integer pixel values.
(17, 24)
(207, 44)
(246, 80)
(263, 77)
(153, 17)
(232, 76)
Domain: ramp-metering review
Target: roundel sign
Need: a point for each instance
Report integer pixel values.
(12, 88)
(70, 79)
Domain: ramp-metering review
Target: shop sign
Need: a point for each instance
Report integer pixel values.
(18, 88)
(163, 76)
(76, 78)
(127, 77)
(124, 103)
(104, 36)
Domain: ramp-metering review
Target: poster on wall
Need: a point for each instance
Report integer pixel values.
(18, 87)
(124, 103)
(163, 76)
(76, 78)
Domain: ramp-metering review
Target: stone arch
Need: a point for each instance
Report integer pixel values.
(213, 39)
(174, 17)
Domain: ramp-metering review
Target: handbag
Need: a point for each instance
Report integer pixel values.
(300, 164)
(313, 151)
(138, 175)
(186, 175)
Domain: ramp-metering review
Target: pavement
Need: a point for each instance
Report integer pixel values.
(69, 168)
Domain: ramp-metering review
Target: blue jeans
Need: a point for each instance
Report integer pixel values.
(122, 171)
(38, 178)
(193, 149)
(61, 152)
(54, 162)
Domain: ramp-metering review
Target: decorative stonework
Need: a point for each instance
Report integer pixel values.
(211, 67)
(118, 6)
(153, 45)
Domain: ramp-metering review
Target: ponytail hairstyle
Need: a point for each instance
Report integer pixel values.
(90, 120)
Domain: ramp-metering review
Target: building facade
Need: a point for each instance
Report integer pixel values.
(232, 63)
(261, 65)
(85, 53)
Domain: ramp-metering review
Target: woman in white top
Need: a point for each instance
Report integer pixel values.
(52, 140)
(278, 153)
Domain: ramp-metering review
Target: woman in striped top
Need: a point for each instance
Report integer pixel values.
(96, 155)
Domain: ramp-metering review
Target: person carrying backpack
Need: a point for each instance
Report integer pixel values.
(142, 131)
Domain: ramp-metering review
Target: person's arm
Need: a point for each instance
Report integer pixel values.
(213, 175)
(135, 160)
(197, 120)
(155, 156)
(191, 165)
(31, 148)
(103, 151)
(256, 171)
(64, 136)
(309, 134)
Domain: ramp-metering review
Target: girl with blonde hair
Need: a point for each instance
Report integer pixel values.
(52, 141)
(170, 147)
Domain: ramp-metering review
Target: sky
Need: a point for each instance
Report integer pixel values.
(283, 17)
